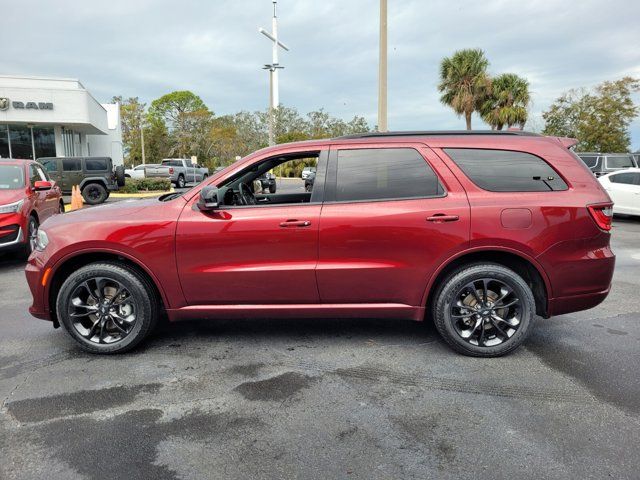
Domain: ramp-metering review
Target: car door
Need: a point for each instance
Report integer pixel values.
(257, 254)
(71, 173)
(51, 197)
(624, 190)
(38, 198)
(387, 223)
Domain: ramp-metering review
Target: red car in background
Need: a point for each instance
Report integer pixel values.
(27, 198)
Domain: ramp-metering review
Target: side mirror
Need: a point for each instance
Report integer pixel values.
(208, 199)
(42, 185)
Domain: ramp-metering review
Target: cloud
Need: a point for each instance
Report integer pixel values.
(147, 48)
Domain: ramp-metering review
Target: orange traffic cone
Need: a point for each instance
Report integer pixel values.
(80, 198)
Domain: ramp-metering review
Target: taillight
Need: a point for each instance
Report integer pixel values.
(170, 170)
(602, 215)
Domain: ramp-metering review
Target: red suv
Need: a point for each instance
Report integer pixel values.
(478, 231)
(27, 197)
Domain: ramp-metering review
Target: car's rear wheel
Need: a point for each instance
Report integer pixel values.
(484, 310)
(94, 194)
(107, 307)
(61, 207)
(180, 183)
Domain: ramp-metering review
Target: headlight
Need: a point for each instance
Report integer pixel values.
(41, 240)
(11, 207)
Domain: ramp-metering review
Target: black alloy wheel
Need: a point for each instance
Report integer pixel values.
(107, 307)
(484, 310)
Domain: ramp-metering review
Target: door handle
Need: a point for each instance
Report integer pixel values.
(441, 218)
(295, 223)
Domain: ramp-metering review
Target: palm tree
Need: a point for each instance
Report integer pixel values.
(508, 102)
(464, 82)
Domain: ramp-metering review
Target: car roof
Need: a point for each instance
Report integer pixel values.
(623, 170)
(14, 161)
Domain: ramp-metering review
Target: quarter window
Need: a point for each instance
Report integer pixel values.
(50, 165)
(384, 173)
(589, 160)
(71, 164)
(627, 178)
(506, 170)
(620, 162)
(96, 164)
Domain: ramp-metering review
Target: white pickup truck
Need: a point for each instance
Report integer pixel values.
(183, 171)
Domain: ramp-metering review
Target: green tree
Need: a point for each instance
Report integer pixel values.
(507, 103)
(131, 116)
(599, 119)
(187, 119)
(464, 82)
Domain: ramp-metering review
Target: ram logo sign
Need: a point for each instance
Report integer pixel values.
(4, 103)
(33, 105)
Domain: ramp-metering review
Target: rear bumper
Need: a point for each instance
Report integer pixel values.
(576, 303)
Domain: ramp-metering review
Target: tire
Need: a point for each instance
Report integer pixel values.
(491, 341)
(204, 177)
(120, 176)
(308, 188)
(61, 207)
(30, 234)
(94, 193)
(272, 188)
(143, 306)
(180, 183)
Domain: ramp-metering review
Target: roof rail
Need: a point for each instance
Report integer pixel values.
(436, 133)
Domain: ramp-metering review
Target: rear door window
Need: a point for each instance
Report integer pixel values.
(506, 170)
(71, 164)
(96, 164)
(590, 160)
(384, 173)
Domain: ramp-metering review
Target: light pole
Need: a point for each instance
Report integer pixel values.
(142, 139)
(273, 67)
(382, 70)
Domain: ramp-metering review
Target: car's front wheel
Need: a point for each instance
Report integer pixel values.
(107, 307)
(484, 310)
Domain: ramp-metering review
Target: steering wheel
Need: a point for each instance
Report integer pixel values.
(246, 195)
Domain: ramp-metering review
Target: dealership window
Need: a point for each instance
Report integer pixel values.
(5, 152)
(384, 173)
(506, 170)
(21, 144)
(44, 142)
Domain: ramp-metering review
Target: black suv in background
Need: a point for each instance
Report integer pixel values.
(95, 176)
(603, 163)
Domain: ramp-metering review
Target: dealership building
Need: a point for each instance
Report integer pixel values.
(56, 117)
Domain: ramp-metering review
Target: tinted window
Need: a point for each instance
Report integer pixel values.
(50, 165)
(590, 161)
(96, 164)
(11, 177)
(43, 174)
(173, 163)
(371, 174)
(619, 162)
(33, 174)
(44, 141)
(628, 178)
(71, 164)
(506, 170)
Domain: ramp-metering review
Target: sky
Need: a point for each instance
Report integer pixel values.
(147, 48)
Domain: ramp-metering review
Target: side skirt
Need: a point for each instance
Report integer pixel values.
(367, 310)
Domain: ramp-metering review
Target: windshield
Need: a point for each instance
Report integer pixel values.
(11, 177)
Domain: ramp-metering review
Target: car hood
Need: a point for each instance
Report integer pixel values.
(11, 196)
(130, 211)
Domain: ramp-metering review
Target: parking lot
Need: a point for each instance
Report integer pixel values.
(325, 398)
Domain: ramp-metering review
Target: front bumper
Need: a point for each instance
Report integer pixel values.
(12, 230)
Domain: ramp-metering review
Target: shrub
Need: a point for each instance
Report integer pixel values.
(135, 185)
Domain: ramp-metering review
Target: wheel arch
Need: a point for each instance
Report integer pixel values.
(526, 267)
(71, 263)
(87, 181)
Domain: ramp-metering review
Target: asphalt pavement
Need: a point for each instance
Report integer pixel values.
(325, 398)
